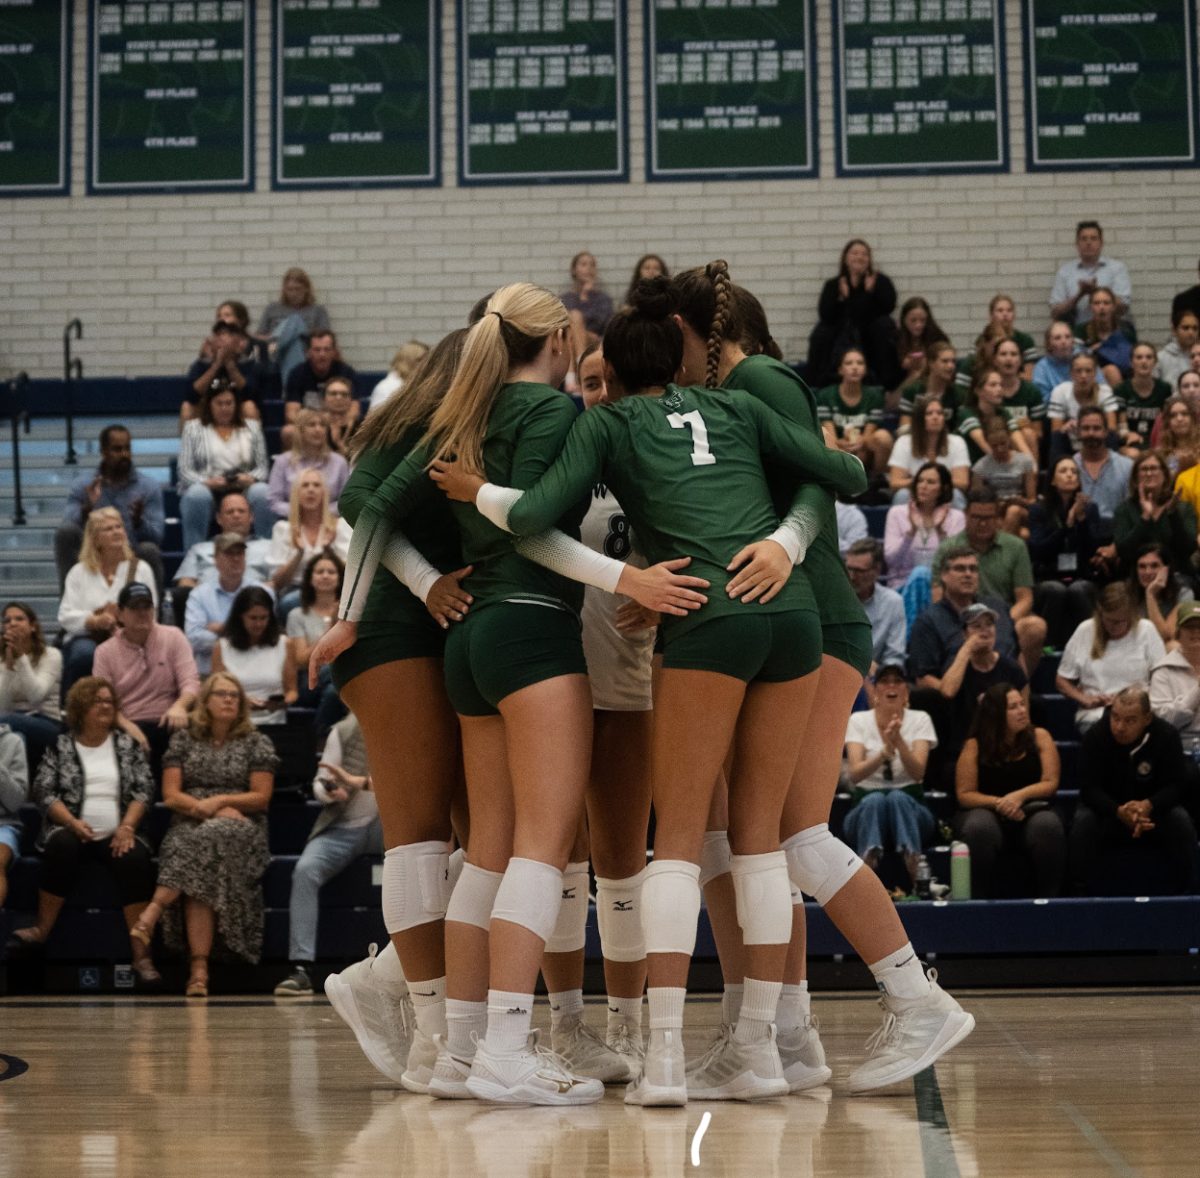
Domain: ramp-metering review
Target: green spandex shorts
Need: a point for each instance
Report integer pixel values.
(389, 642)
(508, 646)
(758, 647)
(850, 642)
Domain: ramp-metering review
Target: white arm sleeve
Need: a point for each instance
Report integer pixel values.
(797, 532)
(362, 562)
(494, 503)
(408, 566)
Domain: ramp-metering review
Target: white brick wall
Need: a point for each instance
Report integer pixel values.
(146, 272)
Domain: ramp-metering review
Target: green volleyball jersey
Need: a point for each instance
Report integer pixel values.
(777, 386)
(525, 432)
(909, 394)
(431, 530)
(1142, 412)
(1031, 353)
(968, 420)
(868, 411)
(1026, 404)
(687, 468)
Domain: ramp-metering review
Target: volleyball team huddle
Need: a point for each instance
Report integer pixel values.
(714, 592)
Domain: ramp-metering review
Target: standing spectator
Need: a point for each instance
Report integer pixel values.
(305, 386)
(309, 529)
(914, 530)
(855, 310)
(1069, 400)
(1111, 650)
(590, 305)
(208, 605)
(1157, 590)
(930, 440)
(1175, 681)
(851, 525)
(983, 407)
(294, 317)
(1133, 785)
(87, 611)
(218, 778)
(347, 828)
(94, 788)
(30, 681)
(116, 483)
(152, 671)
(221, 452)
(253, 650)
(310, 451)
(1064, 534)
(918, 330)
(1012, 475)
(1103, 474)
(404, 363)
(887, 750)
(14, 790)
(1054, 368)
(199, 562)
(342, 412)
(227, 358)
(851, 414)
(936, 380)
(1175, 357)
(1021, 400)
(1151, 514)
(1070, 300)
(1006, 775)
(1142, 398)
(883, 606)
(1103, 338)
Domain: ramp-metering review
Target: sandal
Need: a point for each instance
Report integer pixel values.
(197, 986)
(145, 970)
(143, 930)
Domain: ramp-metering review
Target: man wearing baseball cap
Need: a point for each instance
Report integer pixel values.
(208, 604)
(152, 671)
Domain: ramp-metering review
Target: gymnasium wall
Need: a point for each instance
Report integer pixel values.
(146, 272)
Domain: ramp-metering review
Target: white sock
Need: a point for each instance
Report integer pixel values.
(666, 1007)
(625, 1012)
(566, 1006)
(465, 1021)
(901, 974)
(508, 1019)
(386, 968)
(795, 1005)
(731, 1003)
(758, 1010)
(429, 1005)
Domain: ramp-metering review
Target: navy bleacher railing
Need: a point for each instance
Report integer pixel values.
(16, 392)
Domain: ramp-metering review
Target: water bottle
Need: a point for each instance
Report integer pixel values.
(923, 879)
(960, 871)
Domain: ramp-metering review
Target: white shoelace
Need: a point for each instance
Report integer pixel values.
(623, 1042)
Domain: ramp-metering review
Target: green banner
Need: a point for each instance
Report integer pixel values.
(541, 90)
(171, 96)
(355, 93)
(35, 43)
(1110, 82)
(730, 89)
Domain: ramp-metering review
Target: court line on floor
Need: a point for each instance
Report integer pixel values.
(937, 1143)
(1098, 1141)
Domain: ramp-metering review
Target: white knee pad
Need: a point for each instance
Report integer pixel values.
(714, 856)
(670, 906)
(474, 896)
(820, 864)
(530, 895)
(457, 859)
(416, 888)
(764, 897)
(570, 929)
(619, 915)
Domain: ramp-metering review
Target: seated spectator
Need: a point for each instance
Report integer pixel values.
(918, 330)
(228, 359)
(930, 440)
(1103, 477)
(152, 670)
(1175, 681)
(1175, 358)
(592, 305)
(309, 529)
(293, 319)
(650, 266)
(218, 777)
(320, 592)
(1183, 432)
(914, 530)
(1103, 338)
(87, 611)
(984, 406)
(199, 562)
(1005, 571)
(346, 829)
(1133, 784)
(94, 788)
(221, 452)
(1158, 591)
(1021, 400)
(883, 606)
(1064, 535)
(230, 311)
(1175, 431)
(342, 415)
(936, 381)
(1001, 325)
(117, 484)
(1151, 514)
(1068, 400)
(1142, 398)
(310, 451)
(14, 791)
(257, 655)
(850, 414)
(1108, 652)
(1186, 300)
(404, 364)
(1011, 475)
(1006, 775)
(1054, 368)
(1076, 280)
(30, 681)
(306, 384)
(851, 525)
(855, 311)
(887, 749)
(208, 605)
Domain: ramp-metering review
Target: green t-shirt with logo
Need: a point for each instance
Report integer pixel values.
(868, 411)
(1142, 412)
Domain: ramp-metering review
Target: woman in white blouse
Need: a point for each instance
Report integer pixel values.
(310, 528)
(221, 451)
(87, 611)
(253, 650)
(930, 440)
(30, 680)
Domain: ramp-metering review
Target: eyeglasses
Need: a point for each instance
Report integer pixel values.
(103, 699)
(224, 695)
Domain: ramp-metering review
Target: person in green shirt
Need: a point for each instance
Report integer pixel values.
(983, 405)
(852, 416)
(936, 380)
(1021, 399)
(1142, 398)
(1001, 325)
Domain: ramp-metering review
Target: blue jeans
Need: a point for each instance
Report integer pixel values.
(196, 506)
(326, 855)
(888, 818)
(77, 660)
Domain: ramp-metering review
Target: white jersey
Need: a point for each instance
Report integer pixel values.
(618, 666)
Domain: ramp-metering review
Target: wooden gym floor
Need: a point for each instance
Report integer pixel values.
(1051, 1083)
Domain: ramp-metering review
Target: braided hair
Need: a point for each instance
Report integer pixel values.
(708, 304)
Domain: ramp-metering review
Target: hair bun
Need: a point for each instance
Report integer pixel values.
(654, 298)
